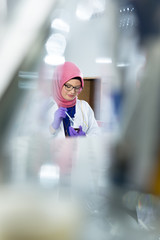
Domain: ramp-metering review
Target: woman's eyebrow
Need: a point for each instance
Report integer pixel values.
(72, 85)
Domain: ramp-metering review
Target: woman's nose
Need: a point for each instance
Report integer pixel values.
(73, 90)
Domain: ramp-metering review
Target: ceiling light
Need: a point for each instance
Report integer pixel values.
(60, 24)
(103, 60)
(56, 44)
(54, 60)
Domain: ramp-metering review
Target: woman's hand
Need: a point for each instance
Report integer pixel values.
(74, 133)
(58, 117)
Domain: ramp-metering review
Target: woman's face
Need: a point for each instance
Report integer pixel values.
(68, 92)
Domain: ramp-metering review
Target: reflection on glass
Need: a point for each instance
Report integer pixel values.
(49, 175)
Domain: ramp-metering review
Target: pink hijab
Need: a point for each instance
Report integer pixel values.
(62, 74)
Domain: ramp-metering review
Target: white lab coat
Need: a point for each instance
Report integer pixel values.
(84, 116)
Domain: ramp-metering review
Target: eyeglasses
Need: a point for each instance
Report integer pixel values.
(69, 87)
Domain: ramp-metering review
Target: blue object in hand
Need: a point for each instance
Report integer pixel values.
(74, 133)
(58, 117)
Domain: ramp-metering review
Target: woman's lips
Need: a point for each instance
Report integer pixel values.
(71, 96)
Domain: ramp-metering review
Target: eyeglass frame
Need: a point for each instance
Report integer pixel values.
(72, 87)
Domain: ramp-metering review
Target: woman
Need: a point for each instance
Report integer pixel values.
(68, 112)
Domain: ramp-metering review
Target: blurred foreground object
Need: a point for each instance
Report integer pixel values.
(31, 215)
(136, 159)
(148, 14)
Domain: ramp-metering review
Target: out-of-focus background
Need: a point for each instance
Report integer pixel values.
(106, 187)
